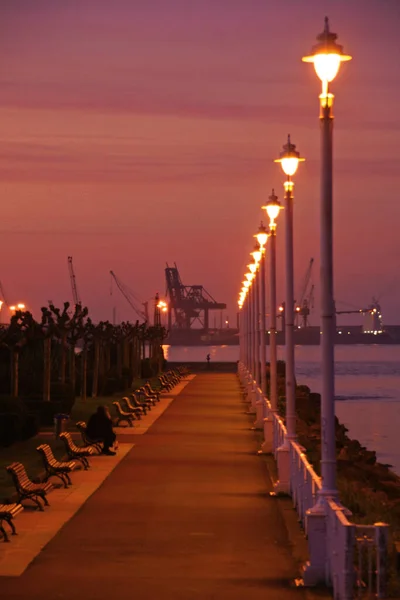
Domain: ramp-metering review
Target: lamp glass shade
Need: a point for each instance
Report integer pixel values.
(273, 210)
(256, 256)
(289, 165)
(262, 238)
(253, 269)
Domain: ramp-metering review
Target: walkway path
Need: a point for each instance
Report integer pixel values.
(184, 516)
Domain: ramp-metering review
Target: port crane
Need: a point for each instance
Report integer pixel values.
(188, 303)
(306, 298)
(74, 288)
(131, 298)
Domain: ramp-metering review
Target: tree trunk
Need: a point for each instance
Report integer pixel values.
(47, 368)
(84, 373)
(119, 360)
(95, 385)
(125, 356)
(63, 356)
(72, 368)
(14, 372)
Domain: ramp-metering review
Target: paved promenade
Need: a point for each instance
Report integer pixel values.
(184, 516)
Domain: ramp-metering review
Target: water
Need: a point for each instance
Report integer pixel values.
(367, 388)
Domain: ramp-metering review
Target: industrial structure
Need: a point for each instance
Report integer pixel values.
(189, 306)
(74, 287)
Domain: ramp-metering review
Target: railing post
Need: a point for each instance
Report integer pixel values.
(381, 544)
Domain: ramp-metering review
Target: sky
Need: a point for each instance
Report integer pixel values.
(135, 133)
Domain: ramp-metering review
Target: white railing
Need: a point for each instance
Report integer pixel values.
(356, 555)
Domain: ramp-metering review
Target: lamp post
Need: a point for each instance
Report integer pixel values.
(289, 159)
(273, 207)
(327, 56)
(254, 268)
(262, 237)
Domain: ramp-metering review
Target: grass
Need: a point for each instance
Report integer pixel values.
(25, 451)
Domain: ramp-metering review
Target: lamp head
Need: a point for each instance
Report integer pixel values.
(253, 268)
(289, 158)
(273, 207)
(326, 55)
(256, 254)
(262, 235)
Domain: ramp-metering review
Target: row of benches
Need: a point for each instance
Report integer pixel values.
(132, 408)
(141, 402)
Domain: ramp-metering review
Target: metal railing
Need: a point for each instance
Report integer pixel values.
(356, 555)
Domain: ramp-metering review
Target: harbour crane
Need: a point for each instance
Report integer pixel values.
(131, 298)
(302, 307)
(75, 295)
(188, 303)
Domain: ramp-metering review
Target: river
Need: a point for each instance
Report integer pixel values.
(367, 388)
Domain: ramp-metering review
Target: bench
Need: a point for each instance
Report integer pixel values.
(96, 444)
(152, 392)
(136, 410)
(26, 489)
(77, 452)
(144, 406)
(54, 467)
(7, 513)
(122, 415)
(164, 383)
(146, 396)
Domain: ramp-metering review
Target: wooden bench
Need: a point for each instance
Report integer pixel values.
(27, 489)
(122, 415)
(77, 452)
(164, 383)
(135, 410)
(7, 513)
(97, 445)
(143, 393)
(152, 392)
(144, 407)
(54, 467)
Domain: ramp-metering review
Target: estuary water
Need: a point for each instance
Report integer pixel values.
(367, 388)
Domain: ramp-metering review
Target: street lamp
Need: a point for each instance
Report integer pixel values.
(327, 57)
(289, 159)
(273, 208)
(262, 237)
(254, 322)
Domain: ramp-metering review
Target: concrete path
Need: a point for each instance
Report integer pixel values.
(184, 516)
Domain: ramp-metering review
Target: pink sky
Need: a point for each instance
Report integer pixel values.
(134, 133)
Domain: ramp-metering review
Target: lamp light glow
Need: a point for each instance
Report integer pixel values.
(289, 158)
(253, 269)
(273, 208)
(327, 56)
(261, 236)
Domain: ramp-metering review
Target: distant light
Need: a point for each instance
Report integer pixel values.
(21, 306)
(12, 308)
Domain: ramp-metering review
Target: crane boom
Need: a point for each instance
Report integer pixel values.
(72, 277)
(127, 295)
(306, 281)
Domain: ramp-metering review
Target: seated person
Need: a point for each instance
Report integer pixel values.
(99, 428)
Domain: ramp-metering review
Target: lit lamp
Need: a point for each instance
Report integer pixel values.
(289, 159)
(255, 296)
(327, 57)
(273, 208)
(262, 237)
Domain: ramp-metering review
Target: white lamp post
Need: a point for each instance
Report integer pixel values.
(262, 237)
(289, 160)
(327, 56)
(273, 208)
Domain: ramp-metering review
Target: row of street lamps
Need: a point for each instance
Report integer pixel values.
(326, 56)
